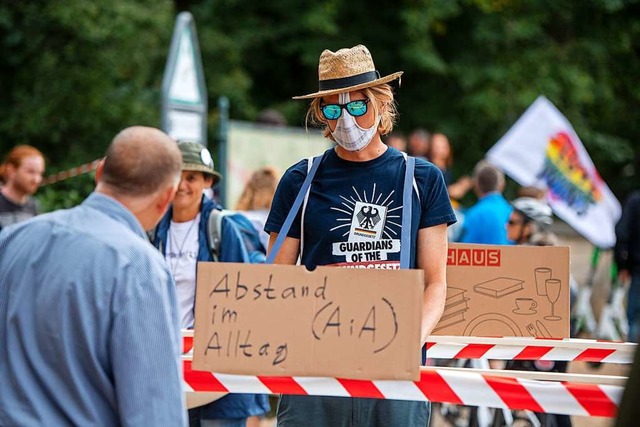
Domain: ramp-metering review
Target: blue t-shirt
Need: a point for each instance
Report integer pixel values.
(486, 221)
(353, 214)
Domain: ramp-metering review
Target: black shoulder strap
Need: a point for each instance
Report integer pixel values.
(214, 233)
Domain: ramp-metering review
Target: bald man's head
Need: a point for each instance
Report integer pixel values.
(140, 161)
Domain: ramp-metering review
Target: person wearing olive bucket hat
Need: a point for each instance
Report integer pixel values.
(183, 239)
(357, 196)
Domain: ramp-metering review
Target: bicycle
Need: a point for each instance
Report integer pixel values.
(612, 324)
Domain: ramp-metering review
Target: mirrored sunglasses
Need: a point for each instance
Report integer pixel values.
(355, 108)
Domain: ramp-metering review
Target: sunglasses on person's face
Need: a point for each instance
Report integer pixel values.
(355, 108)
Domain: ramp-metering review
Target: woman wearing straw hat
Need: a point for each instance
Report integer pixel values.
(357, 195)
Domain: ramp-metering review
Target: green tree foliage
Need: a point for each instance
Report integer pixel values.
(471, 66)
(74, 72)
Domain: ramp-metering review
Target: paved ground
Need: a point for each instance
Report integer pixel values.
(581, 251)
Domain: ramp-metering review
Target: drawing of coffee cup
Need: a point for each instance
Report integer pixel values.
(542, 274)
(525, 306)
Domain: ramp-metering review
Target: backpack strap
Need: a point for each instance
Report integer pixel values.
(304, 209)
(407, 206)
(284, 230)
(415, 184)
(214, 232)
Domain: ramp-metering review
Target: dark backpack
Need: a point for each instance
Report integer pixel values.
(250, 237)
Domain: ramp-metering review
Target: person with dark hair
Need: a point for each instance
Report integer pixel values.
(627, 257)
(485, 221)
(89, 331)
(397, 140)
(20, 176)
(418, 143)
(357, 195)
(529, 223)
(441, 155)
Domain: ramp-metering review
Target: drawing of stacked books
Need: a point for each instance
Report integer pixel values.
(499, 287)
(454, 308)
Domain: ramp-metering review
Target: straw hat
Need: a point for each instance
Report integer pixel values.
(196, 157)
(347, 70)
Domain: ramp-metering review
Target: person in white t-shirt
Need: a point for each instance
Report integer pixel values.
(182, 237)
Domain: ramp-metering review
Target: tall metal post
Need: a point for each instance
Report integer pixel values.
(223, 130)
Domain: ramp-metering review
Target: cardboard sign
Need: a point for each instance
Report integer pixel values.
(517, 291)
(283, 320)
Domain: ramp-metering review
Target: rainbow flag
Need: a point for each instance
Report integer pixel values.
(542, 149)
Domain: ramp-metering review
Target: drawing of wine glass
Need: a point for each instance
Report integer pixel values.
(553, 293)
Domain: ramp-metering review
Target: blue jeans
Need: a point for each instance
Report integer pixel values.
(633, 308)
(322, 411)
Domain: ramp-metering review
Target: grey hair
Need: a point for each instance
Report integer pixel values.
(141, 161)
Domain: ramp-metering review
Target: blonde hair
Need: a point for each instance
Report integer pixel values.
(16, 156)
(259, 190)
(380, 98)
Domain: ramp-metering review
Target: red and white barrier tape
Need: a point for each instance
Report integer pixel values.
(70, 173)
(435, 385)
(446, 347)
(464, 386)
(530, 349)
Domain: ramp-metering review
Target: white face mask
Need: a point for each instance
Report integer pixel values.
(348, 134)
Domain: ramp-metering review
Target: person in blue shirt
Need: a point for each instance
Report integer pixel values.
(353, 215)
(183, 239)
(486, 221)
(89, 330)
(627, 257)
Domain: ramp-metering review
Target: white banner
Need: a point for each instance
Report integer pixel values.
(542, 149)
(252, 146)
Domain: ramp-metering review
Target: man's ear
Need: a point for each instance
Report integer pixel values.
(99, 170)
(208, 180)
